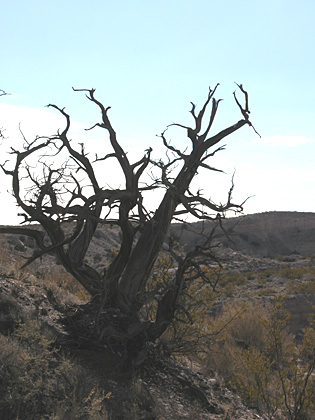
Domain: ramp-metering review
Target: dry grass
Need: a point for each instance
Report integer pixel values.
(260, 360)
(37, 381)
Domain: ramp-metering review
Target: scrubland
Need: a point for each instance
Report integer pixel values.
(242, 352)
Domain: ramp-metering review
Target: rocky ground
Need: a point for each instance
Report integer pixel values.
(161, 389)
(245, 276)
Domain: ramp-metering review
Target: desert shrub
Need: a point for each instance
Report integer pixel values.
(289, 272)
(232, 278)
(267, 274)
(251, 275)
(37, 381)
(236, 328)
(188, 331)
(11, 267)
(11, 314)
(292, 273)
(266, 291)
(305, 287)
(4, 250)
(229, 290)
(265, 365)
(66, 282)
(262, 280)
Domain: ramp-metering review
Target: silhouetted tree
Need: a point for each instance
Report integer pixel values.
(69, 210)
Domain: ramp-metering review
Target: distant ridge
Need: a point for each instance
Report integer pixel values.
(269, 234)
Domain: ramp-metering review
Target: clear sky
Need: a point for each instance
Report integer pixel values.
(149, 59)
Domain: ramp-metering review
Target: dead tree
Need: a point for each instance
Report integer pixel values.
(58, 198)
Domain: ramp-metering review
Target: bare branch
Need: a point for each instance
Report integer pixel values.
(244, 110)
(4, 93)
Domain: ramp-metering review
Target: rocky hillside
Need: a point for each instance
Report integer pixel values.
(163, 388)
(263, 255)
(44, 376)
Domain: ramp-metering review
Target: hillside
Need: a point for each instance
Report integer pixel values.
(250, 246)
(263, 256)
(262, 235)
(44, 374)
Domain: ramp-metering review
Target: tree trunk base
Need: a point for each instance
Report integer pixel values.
(111, 330)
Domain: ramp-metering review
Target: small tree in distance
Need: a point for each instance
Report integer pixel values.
(56, 195)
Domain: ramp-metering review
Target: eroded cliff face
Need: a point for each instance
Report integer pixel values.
(277, 233)
(278, 220)
(265, 234)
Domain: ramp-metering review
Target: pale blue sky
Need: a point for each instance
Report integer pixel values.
(149, 59)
